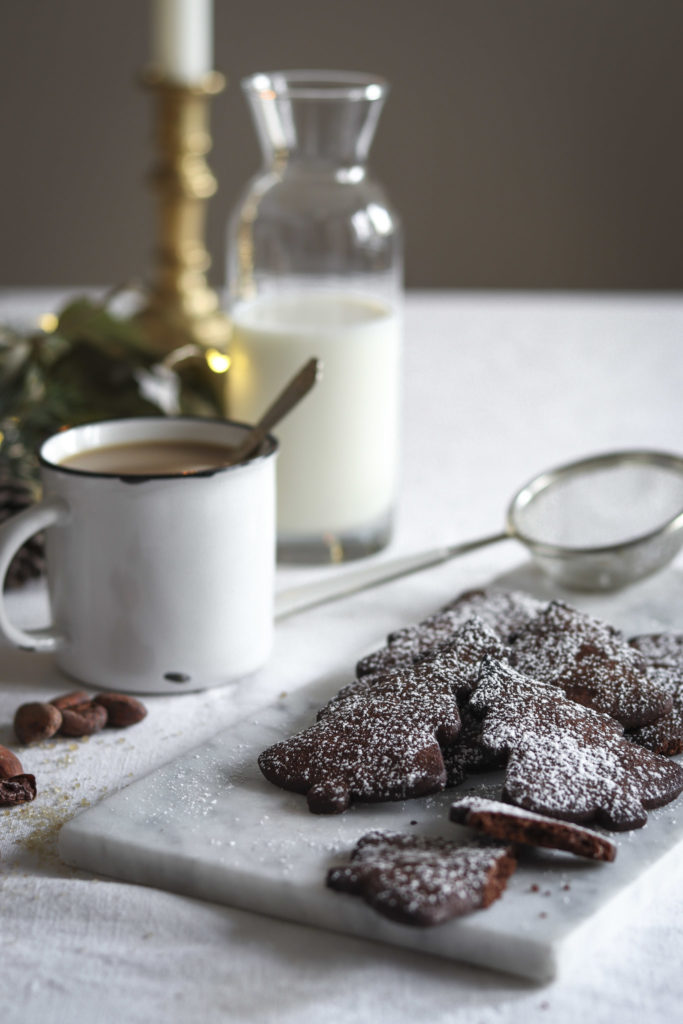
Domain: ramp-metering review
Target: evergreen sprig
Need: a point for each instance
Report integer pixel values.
(94, 365)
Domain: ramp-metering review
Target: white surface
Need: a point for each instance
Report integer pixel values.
(209, 825)
(497, 387)
(338, 461)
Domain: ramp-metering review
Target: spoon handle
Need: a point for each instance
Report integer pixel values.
(286, 400)
(309, 595)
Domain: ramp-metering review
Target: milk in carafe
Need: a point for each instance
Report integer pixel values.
(315, 269)
(337, 465)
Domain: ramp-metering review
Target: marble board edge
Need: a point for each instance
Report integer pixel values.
(82, 845)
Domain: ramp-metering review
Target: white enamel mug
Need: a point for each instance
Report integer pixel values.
(157, 584)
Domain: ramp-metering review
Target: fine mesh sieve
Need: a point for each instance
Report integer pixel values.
(596, 524)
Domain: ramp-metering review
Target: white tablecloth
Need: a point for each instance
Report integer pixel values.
(497, 386)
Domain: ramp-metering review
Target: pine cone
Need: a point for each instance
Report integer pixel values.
(29, 561)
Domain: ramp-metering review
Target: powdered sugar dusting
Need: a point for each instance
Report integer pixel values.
(591, 663)
(467, 753)
(410, 730)
(454, 663)
(663, 650)
(368, 747)
(424, 881)
(515, 824)
(504, 612)
(480, 804)
(566, 760)
(663, 654)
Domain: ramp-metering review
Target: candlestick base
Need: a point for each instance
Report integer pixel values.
(182, 308)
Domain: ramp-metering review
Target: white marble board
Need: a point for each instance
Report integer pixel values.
(208, 825)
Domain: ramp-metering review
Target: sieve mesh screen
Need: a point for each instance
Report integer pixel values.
(601, 506)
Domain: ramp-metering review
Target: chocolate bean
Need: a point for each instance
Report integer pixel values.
(9, 764)
(83, 719)
(17, 790)
(121, 709)
(36, 721)
(67, 700)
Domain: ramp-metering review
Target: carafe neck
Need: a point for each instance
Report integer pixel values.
(315, 119)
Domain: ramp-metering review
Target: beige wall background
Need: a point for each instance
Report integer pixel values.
(527, 143)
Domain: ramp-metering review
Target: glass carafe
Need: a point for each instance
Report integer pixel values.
(315, 269)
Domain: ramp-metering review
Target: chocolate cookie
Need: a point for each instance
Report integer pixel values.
(566, 760)
(514, 825)
(663, 654)
(466, 753)
(503, 612)
(591, 664)
(419, 881)
(453, 667)
(405, 646)
(369, 747)
(455, 660)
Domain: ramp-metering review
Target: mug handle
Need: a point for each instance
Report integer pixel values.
(15, 532)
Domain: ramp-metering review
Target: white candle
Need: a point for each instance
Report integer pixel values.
(182, 38)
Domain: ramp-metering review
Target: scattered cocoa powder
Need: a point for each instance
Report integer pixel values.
(71, 714)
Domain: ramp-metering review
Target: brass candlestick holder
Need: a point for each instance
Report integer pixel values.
(183, 309)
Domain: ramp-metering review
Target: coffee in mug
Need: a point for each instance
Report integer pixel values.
(150, 458)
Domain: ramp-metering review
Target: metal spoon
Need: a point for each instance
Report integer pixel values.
(290, 396)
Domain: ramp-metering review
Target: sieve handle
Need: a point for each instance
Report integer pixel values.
(310, 595)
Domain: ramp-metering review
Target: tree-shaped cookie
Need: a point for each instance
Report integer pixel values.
(368, 747)
(663, 654)
(452, 667)
(591, 663)
(455, 660)
(566, 760)
(420, 881)
(405, 646)
(504, 612)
